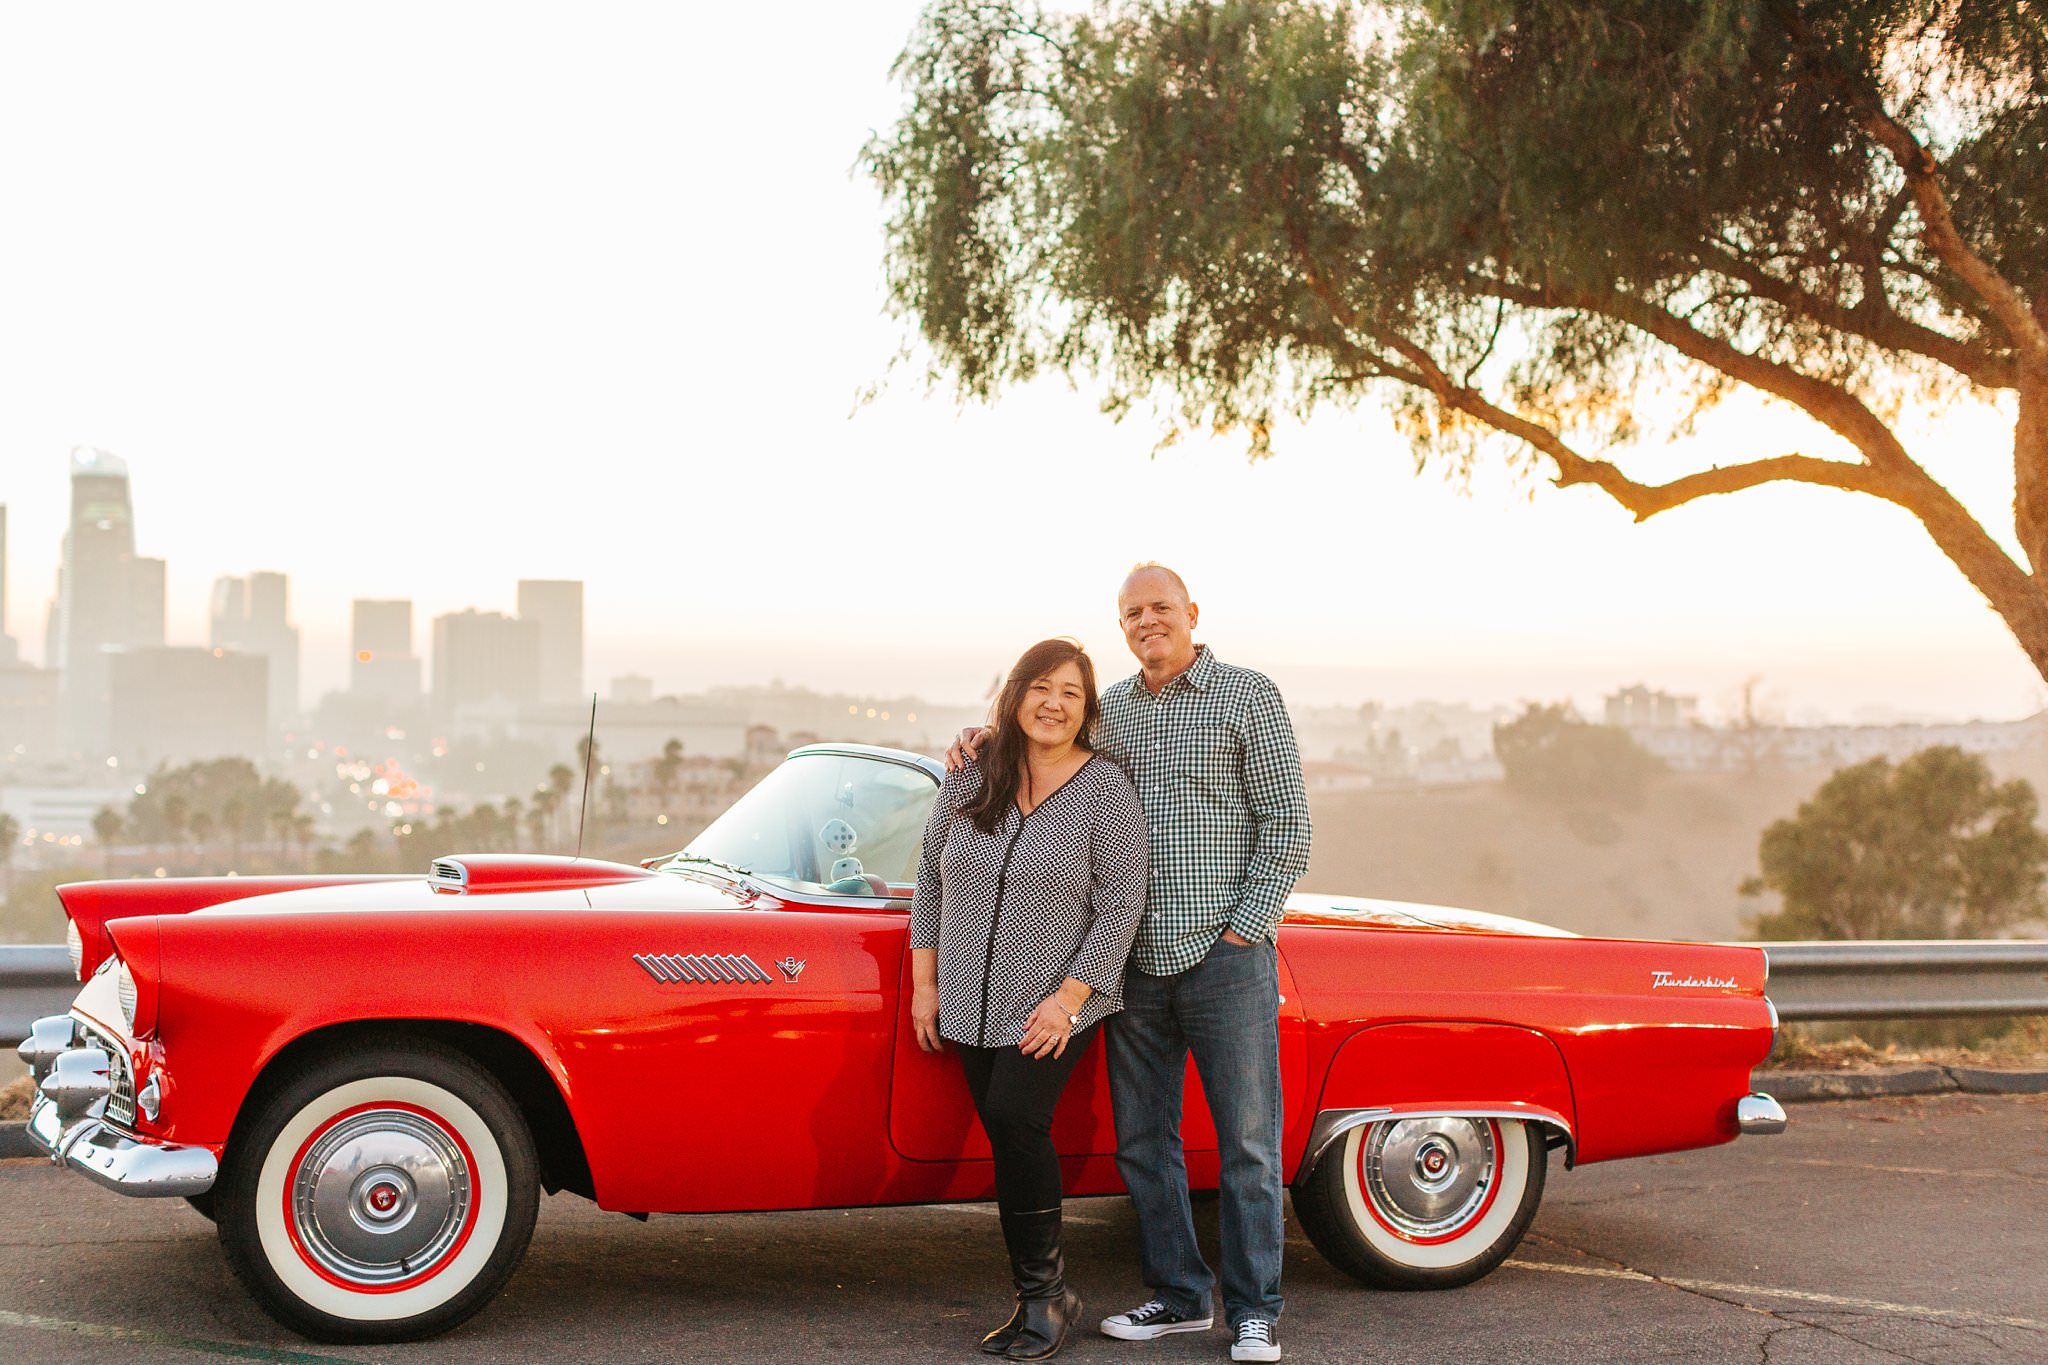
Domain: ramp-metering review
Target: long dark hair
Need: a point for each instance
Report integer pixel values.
(1002, 761)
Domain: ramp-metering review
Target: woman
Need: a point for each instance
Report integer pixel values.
(1027, 900)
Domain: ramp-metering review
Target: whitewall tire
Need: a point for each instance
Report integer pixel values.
(382, 1194)
(1424, 1201)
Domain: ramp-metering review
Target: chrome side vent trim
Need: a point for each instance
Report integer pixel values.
(446, 874)
(716, 968)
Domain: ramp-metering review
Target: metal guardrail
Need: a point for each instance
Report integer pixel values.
(35, 980)
(1810, 982)
(1907, 979)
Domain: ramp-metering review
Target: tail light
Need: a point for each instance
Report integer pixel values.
(75, 946)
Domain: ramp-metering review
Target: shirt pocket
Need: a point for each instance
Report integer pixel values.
(1209, 767)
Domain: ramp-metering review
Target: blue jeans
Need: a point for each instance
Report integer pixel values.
(1226, 1011)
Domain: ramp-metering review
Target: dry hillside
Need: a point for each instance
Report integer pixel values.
(1667, 868)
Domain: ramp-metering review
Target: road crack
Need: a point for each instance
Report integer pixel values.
(1787, 1323)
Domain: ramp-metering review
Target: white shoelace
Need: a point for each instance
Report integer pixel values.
(1255, 1332)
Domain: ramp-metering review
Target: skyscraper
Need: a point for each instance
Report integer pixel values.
(383, 665)
(556, 606)
(249, 614)
(9, 653)
(178, 705)
(107, 600)
(483, 657)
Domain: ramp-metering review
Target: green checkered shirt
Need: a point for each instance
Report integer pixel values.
(1214, 759)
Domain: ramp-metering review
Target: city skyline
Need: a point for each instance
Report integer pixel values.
(520, 319)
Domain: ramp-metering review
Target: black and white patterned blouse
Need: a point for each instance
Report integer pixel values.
(1049, 895)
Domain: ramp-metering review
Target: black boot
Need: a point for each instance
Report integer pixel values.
(998, 1341)
(1046, 1308)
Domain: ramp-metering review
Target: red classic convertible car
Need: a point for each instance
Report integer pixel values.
(367, 1082)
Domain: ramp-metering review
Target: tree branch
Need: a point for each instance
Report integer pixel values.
(1642, 500)
(1877, 324)
(1921, 169)
(1834, 407)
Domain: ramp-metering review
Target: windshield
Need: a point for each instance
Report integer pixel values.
(829, 823)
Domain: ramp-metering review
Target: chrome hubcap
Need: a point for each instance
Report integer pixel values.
(1427, 1177)
(380, 1197)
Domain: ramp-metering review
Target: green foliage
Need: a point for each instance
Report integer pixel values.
(1555, 225)
(219, 798)
(1548, 752)
(1933, 847)
(1238, 204)
(31, 912)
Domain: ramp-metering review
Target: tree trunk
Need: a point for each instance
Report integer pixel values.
(2030, 469)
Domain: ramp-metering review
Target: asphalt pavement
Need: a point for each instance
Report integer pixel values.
(1873, 1230)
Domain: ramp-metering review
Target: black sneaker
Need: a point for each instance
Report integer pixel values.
(1153, 1319)
(1255, 1341)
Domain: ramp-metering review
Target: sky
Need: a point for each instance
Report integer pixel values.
(416, 301)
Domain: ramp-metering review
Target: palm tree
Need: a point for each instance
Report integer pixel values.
(173, 815)
(202, 826)
(561, 781)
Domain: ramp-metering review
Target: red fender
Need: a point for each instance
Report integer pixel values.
(1492, 1070)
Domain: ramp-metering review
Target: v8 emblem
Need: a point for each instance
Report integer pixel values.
(791, 968)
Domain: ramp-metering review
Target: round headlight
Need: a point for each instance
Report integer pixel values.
(124, 986)
(74, 945)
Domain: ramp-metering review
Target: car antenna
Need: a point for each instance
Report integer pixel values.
(589, 752)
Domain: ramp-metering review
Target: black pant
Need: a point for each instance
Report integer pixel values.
(1015, 1096)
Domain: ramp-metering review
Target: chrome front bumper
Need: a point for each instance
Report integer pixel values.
(68, 1121)
(1758, 1113)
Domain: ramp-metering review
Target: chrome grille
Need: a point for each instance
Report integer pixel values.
(120, 1077)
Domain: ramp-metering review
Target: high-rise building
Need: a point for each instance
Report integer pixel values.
(9, 653)
(185, 704)
(250, 615)
(227, 612)
(107, 600)
(556, 606)
(483, 657)
(29, 715)
(383, 665)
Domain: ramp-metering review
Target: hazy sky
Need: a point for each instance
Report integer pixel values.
(417, 300)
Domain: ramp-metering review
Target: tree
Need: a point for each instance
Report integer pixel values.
(10, 834)
(1931, 848)
(1548, 751)
(561, 781)
(107, 825)
(668, 769)
(1511, 216)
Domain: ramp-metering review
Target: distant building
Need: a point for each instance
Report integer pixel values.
(1645, 708)
(178, 705)
(631, 690)
(107, 599)
(48, 814)
(30, 711)
(251, 615)
(632, 734)
(10, 654)
(486, 663)
(556, 606)
(383, 665)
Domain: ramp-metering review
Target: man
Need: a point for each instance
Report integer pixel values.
(1213, 755)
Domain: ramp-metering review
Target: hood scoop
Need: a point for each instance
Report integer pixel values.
(462, 873)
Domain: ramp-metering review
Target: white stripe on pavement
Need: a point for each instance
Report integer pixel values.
(1797, 1295)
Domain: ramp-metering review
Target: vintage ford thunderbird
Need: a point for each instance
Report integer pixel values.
(367, 1082)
